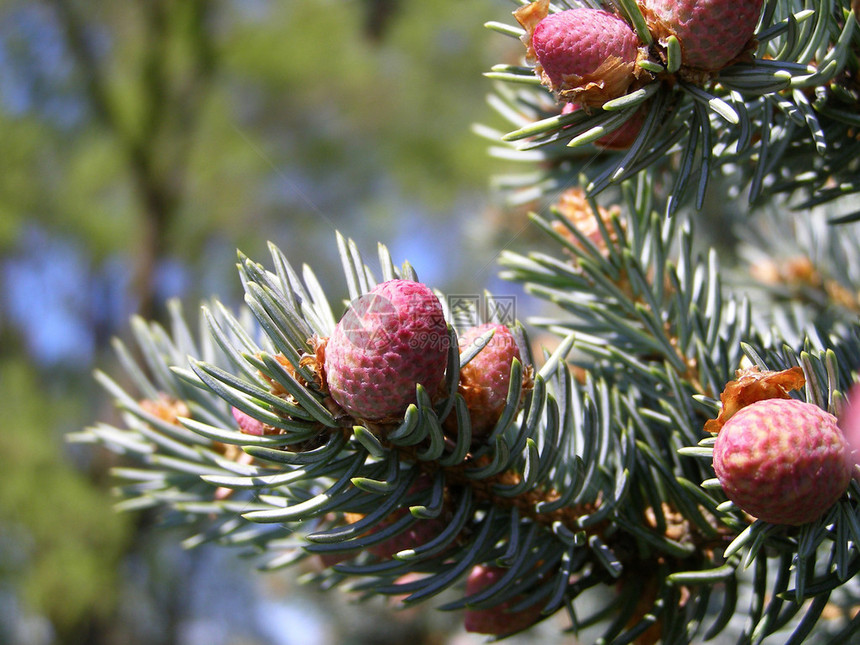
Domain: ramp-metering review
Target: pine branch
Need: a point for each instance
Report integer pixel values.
(783, 117)
(594, 485)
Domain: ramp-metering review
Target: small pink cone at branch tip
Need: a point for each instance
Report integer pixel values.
(389, 340)
(420, 532)
(496, 620)
(583, 55)
(849, 422)
(485, 379)
(248, 424)
(712, 33)
(621, 138)
(782, 461)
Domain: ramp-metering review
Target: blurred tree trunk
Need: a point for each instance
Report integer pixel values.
(155, 145)
(377, 17)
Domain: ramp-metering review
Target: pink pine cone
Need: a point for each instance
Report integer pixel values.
(712, 32)
(419, 533)
(849, 422)
(390, 339)
(782, 460)
(496, 620)
(582, 55)
(248, 424)
(484, 380)
(619, 139)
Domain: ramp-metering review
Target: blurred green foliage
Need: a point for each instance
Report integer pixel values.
(223, 103)
(62, 530)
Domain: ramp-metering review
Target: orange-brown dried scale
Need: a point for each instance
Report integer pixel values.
(751, 385)
(314, 362)
(841, 295)
(792, 272)
(307, 360)
(574, 206)
(166, 408)
(676, 525)
(170, 410)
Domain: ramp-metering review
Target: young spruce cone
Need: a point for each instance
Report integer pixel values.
(849, 422)
(496, 620)
(389, 340)
(712, 32)
(619, 139)
(782, 461)
(585, 56)
(248, 424)
(484, 380)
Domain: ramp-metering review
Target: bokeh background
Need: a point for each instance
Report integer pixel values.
(141, 144)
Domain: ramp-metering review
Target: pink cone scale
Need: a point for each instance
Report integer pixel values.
(849, 422)
(417, 535)
(389, 340)
(247, 424)
(421, 532)
(782, 461)
(496, 620)
(619, 139)
(587, 56)
(484, 380)
(711, 32)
